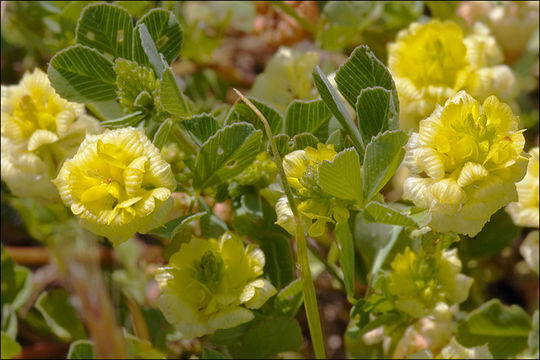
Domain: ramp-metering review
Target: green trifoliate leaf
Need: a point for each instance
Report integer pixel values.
(497, 234)
(382, 213)
(334, 101)
(226, 154)
(302, 141)
(504, 328)
(201, 126)
(60, 315)
(82, 74)
(81, 349)
(107, 28)
(376, 112)
(10, 348)
(342, 177)
(383, 156)
(307, 117)
(171, 228)
(242, 112)
(165, 33)
(170, 97)
(269, 337)
(363, 70)
(289, 299)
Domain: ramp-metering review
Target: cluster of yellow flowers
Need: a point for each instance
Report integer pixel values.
(39, 131)
(419, 282)
(211, 284)
(525, 212)
(464, 162)
(117, 184)
(431, 62)
(301, 169)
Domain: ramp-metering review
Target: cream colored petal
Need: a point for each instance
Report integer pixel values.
(263, 293)
(470, 173)
(429, 160)
(295, 163)
(230, 318)
(417, 190)
(41, 137)
(133, 175)
(447, 191)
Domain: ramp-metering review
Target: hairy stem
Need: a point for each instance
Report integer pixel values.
(77, 255)
(310, 299)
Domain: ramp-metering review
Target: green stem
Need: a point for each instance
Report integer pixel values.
(310, 299)
(184, 140)
(327, 266)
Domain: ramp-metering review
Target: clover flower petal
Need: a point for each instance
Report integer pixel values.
(525, 212)
(39, 131)
(117, 184)
(211, 284)
(464, 162)
(431, 62)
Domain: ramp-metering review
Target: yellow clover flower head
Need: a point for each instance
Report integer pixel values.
(420, 282)
(39, 131)
(211, 284)
(525, 211)
(301, 165)
(301, 168)
(117, 184)
(431, 62)
(464, 162)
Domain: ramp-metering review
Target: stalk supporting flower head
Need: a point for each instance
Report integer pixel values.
(431, 62)
(39, 131)
(211, 284)
(117, 184)
(525, 212)
(464, 163)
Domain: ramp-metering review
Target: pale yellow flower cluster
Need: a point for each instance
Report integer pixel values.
(117, 184)
(39, 131)
(464, 162)
(317, 209)
(212, 284)
(431, 62)
(525, 212)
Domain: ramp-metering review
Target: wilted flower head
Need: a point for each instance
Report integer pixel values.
(117, 184)
(420, 281)
(464, 162)
(39, 131)
(211, 284)
(525, 211)
(431, 62)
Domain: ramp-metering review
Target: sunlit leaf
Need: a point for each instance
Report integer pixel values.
(226, 154)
